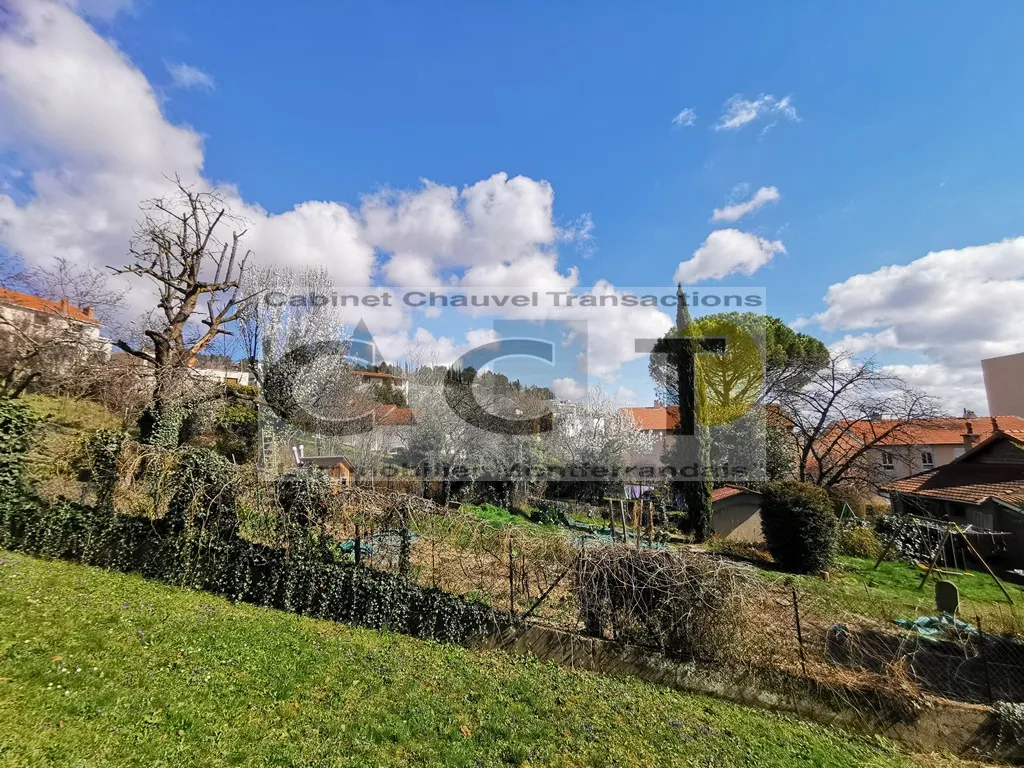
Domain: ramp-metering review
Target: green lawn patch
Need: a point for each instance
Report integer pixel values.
(71, 413)
(497, 516)
(892, 592)
(99, 668)
(64, 424)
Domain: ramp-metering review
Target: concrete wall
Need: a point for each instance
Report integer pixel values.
(223, 375)
(1004, 384)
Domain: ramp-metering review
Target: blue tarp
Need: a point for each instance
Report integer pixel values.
(942, 627)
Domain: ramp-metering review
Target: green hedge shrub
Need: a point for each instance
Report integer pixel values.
(799, 526)
(302, 579)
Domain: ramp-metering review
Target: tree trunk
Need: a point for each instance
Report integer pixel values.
(161, 421)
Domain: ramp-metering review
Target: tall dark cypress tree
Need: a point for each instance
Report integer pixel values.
(691, 447)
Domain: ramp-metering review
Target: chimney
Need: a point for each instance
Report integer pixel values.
(970, 414)
(88, 312)
(658, 404)
(970, 439)
(995, 424)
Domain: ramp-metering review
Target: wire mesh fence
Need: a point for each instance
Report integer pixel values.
(688, 603)
(926, 652)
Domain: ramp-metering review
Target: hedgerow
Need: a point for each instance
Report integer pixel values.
(196, 542)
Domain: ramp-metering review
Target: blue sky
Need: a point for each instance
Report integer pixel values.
(902, 137)
(909, 137)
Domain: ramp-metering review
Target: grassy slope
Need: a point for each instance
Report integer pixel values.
(80, 415)
(64, 423)
(106, 669)
(892, 592)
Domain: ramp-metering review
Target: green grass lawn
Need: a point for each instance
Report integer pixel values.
(497, 516)
(99, 668)
(71, 413)
(892, 592)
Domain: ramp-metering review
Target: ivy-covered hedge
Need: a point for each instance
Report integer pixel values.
(16, 424)
(196, 544)
(300, 581)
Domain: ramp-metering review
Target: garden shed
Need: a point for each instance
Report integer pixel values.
(339, 468)
(736, 513)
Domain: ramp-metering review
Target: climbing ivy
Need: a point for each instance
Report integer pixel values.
(196, 544)
(304, 495)
(161, 424)
(16, 423)
(102, 451)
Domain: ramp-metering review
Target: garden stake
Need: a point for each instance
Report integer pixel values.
(984, 659)
(799, 634)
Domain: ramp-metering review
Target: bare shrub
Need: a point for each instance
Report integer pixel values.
(143, 481)
(687, 605)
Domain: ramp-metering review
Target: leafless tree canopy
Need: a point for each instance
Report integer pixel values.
(179, 245)
(847, 409)
(81, 286)
(270, 329)
(596, 432)
(45, 350)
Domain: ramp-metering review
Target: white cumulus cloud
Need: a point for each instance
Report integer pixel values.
(186, 76)
(685, 118)
(90, 135)
(953, 307)
(569, 389)
(728, 252)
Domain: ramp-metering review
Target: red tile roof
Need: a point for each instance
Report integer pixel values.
(662, 417)
(657, 418)
(378, 375)
(965, 479)
(37, 304)
(973, 483)
(727, 491)
(928, 431)
(393, 416)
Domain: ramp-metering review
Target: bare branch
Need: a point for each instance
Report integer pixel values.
(178, 246)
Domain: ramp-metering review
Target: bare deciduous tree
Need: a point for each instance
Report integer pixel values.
(279, 317)
(844, 413)
(198, 276)
(596, 434)
(49, 348)
(298, 350)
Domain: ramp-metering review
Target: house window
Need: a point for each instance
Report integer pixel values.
(888, 460)
(927, 460)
